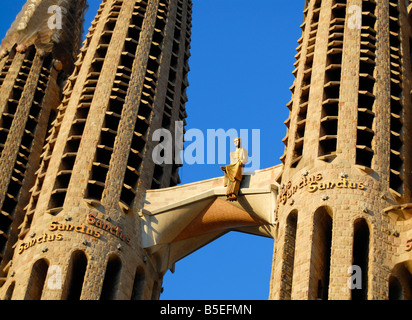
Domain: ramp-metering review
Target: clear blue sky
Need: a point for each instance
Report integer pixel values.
(241, 70)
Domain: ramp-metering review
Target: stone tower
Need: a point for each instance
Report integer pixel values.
(346, 182)
(36, 58)
(80, 238)
(76, 220)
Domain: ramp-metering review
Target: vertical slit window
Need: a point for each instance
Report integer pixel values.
(75, 276)
(321, 255)
(366, 94)
(289, 255)
(111, 280)
(12, 103)
(396, 104)
(395, 289)
(37, 280)
(361, 257)
(138, 284)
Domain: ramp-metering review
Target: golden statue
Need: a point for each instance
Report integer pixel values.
(234, 171)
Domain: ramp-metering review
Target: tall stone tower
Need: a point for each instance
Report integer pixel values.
(37, 55)
(346, 184)
(80, 237)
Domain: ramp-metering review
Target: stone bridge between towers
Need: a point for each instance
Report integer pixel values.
(180, 220)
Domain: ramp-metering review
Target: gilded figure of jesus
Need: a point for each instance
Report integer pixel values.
(234, 171)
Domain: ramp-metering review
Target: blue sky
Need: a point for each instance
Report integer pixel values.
(241, 70)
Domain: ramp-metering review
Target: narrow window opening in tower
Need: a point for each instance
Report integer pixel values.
(361, 257)
(75, 276)
(289, 255)
(366, 94)
(396, 177)
(12, 103)
(330, 106)
(111, 279)
(305, 86)
(316, 14)
(37, 280)
(395, 289)
(138, 284)
(321, 254)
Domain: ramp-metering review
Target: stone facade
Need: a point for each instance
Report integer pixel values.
(74, 225)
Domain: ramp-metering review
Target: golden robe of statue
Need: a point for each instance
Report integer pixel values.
(234, 171)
